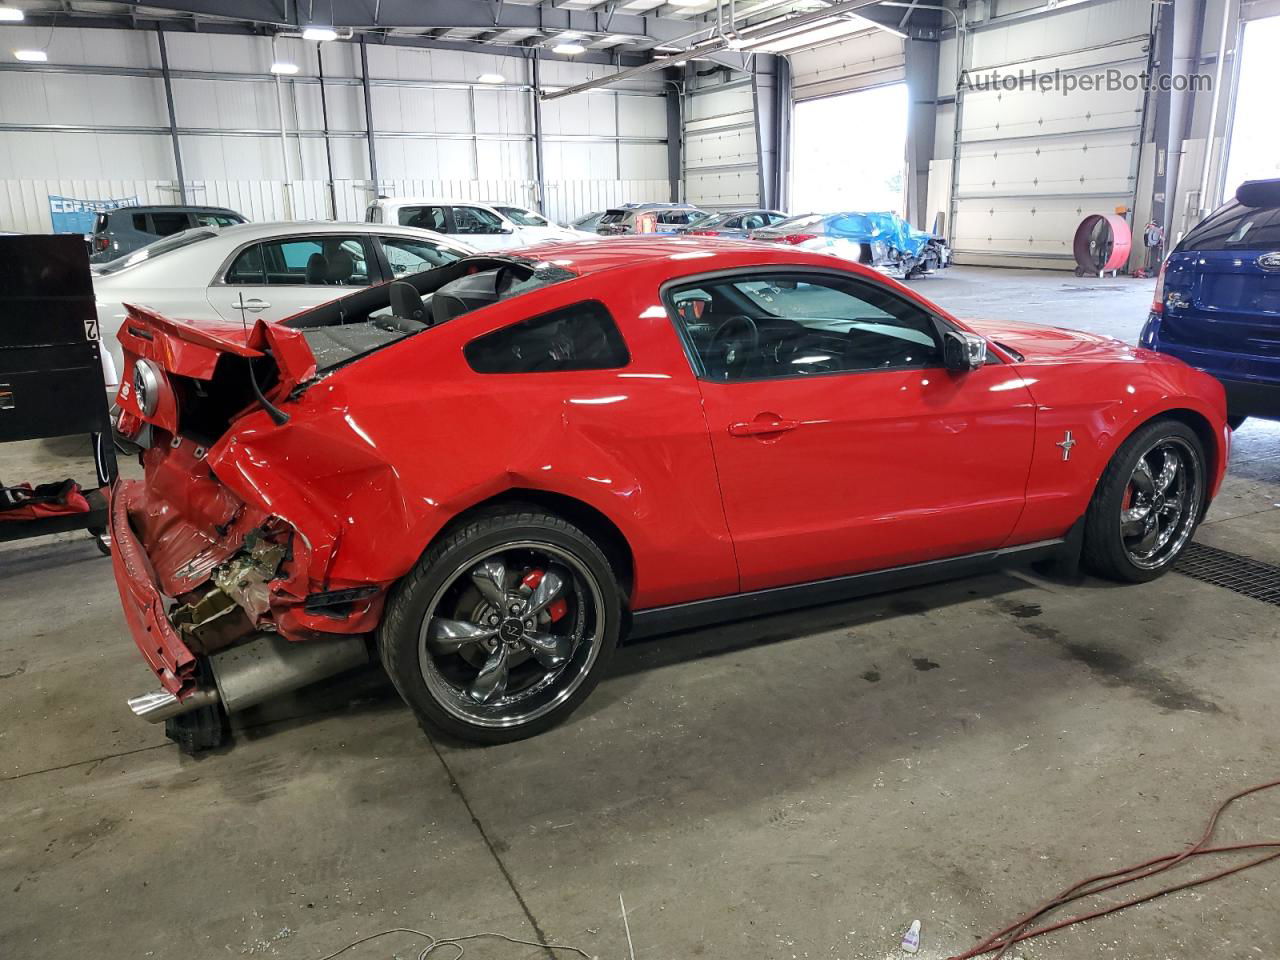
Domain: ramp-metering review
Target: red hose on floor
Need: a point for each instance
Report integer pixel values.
(1017, 931)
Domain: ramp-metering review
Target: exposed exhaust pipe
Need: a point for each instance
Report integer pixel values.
(256, 672)
(159, 705)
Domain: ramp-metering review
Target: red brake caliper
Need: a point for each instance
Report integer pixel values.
(557, 608)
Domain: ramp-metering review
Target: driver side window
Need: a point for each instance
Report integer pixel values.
(475, 220)
(801, 324)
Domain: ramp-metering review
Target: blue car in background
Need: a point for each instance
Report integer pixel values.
(1217, 301)
(881, 240)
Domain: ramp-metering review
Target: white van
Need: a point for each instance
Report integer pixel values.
(475, 224)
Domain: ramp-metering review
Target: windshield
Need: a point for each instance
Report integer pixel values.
(800, 222)
(715, 220)
(523, 217)
(343, 330)
(158, 249)
(215, 219)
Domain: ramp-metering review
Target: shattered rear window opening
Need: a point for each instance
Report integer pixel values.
(347, 329)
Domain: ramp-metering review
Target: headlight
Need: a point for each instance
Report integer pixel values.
(146, 386)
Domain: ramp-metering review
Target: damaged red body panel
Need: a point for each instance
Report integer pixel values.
(301, 527)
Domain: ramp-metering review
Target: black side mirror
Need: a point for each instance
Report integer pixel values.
(962, 352)
(406, 302)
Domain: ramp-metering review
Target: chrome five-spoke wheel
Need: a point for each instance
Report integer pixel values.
(511, 633)
(1161, 503)
(1148, 502)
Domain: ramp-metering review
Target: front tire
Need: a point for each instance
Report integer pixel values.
(1148, 503)
(503, 627)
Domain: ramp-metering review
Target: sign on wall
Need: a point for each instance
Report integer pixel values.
(70, 215)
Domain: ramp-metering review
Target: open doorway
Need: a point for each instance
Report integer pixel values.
(849, 152)
(1254, 153)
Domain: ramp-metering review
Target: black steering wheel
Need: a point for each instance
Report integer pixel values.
(812, 347)
(731, 346)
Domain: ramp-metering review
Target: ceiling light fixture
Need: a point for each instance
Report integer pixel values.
(284, 68)
(12, 15)
(568, 49)
(31, 56)
(687, 3)
(320, 34)
(491, 78)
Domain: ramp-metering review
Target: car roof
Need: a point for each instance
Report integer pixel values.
(633, 207)
(254, 231)
(170, 207)
(594, 255)
(442, 201)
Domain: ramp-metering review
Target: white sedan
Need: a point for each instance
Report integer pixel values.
(252, 270)
(479, 225)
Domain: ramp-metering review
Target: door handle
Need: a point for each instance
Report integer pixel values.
(756, 428)
(255, 305)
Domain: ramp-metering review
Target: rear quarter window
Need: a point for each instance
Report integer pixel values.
(580, 337)
(1235, 227)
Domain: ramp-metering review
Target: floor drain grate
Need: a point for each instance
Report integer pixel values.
(1244, 575)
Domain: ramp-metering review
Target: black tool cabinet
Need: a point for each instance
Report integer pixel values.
(51, 381)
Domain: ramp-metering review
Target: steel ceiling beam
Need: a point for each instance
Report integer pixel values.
(750, 39)
(436, 14)
(613, 58)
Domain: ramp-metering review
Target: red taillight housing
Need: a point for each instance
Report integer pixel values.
(798, 238)
(101, 242)
(1157, 299)
(128, 425)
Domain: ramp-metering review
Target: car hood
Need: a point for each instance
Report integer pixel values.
(1054, 344)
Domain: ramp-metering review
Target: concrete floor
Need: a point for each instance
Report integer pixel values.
(795, 786)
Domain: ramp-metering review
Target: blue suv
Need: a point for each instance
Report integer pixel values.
(1217, 301)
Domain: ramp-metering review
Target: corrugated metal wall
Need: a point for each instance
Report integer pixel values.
(104, 134)
(721, 162)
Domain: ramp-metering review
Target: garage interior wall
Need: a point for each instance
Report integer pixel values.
(93, 124)
(721, 159)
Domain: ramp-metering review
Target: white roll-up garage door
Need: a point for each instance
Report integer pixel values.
(867, 59)
(1037, 151)
(722, 168)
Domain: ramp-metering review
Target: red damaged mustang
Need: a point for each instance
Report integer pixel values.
(488, 473)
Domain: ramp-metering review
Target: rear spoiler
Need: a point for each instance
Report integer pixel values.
(192, 350)
(1259, 193)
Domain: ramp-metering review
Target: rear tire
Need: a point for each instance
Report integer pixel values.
(1147, 504)
(503, 627)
